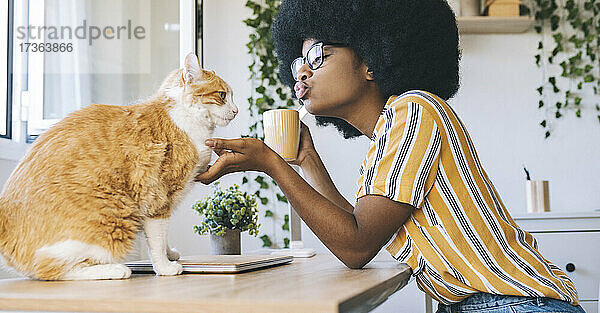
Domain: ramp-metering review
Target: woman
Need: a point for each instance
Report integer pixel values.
(383, 69)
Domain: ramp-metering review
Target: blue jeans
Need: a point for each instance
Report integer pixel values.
(490, 303)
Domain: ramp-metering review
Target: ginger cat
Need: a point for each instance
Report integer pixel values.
(73, 205)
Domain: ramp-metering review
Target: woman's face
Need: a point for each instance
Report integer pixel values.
(340, 80)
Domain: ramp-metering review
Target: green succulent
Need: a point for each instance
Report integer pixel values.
(227, 209)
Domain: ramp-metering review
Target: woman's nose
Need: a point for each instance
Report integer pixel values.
(304, 72)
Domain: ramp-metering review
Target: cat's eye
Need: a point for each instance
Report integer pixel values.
(222, 94)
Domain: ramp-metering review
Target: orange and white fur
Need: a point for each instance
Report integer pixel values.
(72, 207)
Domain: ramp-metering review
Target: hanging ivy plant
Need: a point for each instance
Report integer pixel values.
(570, 64)
(267, 93)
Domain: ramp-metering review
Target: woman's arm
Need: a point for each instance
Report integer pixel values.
(317, 176)
(315, 172)
(354, 237)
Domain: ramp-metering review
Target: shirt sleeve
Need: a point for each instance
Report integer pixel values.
(403, 162)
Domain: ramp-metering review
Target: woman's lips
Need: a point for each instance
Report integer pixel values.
(301, 89)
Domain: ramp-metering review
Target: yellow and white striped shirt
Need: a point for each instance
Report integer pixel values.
(461, 239)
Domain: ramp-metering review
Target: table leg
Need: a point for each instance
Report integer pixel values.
(428, 304)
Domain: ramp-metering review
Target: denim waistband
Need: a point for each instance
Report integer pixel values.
(487, 300)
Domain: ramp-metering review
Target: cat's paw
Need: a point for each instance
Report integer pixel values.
(168, 268)
(100, 271)
(172, 254)
(118, 271)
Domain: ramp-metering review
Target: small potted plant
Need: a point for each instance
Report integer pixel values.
(225, 215)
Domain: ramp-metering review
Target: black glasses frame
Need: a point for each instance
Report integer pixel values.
(304, 59)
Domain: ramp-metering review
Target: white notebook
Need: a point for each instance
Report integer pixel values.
(217, 263)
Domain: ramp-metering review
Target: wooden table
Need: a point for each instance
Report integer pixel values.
(317, 284)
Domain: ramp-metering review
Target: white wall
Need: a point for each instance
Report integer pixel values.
(498, 103)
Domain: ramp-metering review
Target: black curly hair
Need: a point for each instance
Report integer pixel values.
(408, 44)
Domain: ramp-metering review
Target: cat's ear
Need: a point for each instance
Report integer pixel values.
(192, 69)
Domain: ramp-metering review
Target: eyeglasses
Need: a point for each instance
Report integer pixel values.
(314, 57)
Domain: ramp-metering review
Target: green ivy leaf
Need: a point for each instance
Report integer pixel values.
(570, 4)
(264, 201)
(577, 100)
(578, 113)
(543, 123)
(554, 21)
(540, 90)
(558, 37)
(558, 114)
(588, 78)
(267, 243)
(282, 198)
(540, 104)
(590, 38)
(547, 134)
(286, 242)
(244, 180)
(269, 213)
(286, 224)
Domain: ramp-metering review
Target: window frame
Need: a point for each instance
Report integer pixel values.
(36, 124)
(9, 71)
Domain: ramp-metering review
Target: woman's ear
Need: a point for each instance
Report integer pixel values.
(369, 74)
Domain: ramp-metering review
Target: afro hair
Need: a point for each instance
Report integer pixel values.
(408, 44)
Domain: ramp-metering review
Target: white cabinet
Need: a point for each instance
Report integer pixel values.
(571, 242)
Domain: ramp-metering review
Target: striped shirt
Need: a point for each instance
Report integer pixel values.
(460, 240)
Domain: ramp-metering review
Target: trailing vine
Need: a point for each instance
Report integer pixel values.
(267, 93)
(570, 69)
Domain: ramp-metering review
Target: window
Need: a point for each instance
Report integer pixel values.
(6, 7)
(106, 69)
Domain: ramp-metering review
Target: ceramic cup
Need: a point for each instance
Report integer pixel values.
(282, 132)
(537, 195)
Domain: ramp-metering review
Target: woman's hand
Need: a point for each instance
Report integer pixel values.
(306, 146)
(237, 155)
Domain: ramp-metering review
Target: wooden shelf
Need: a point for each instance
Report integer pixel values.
(494, 24)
